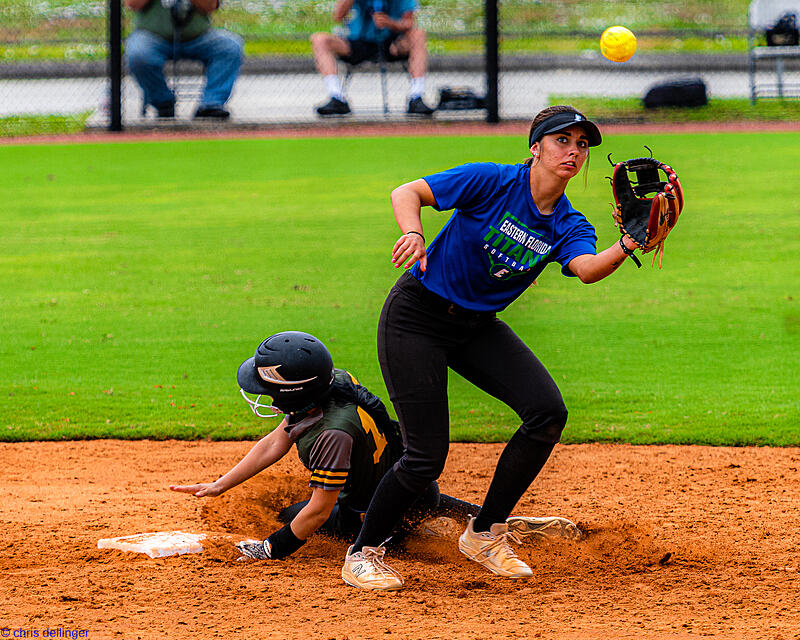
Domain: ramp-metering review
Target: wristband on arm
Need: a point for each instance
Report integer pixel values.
(282, 543)
(629, 252)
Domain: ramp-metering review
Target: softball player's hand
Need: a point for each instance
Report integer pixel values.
(409, 249)
(200, 490)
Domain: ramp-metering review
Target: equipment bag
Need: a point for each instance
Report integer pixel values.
(459, 99)
(677, 93)
(784, 33)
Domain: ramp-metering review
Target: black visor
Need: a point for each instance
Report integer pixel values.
(249, 380)
(561, 121)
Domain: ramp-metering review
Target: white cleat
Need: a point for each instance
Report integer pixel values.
(254, 550)
(543, 528)
(439, 527)
(493, 551)
(366, 569)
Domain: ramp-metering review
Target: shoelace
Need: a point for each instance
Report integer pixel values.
(374, 558)
(501, 541)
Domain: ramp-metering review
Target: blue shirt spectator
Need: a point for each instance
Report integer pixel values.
(380, 31)
(362, 27)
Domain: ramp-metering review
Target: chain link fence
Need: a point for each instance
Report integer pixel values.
(54, 60)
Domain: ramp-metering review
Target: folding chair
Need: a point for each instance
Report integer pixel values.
(382, 65)
(184, 85)
(763, 15)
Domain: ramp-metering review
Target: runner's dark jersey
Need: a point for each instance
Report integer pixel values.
(351, 445)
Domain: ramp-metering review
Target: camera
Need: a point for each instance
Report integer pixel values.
(180, 10)
(376, 6)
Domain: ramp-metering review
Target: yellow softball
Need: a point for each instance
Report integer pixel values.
(618, 44)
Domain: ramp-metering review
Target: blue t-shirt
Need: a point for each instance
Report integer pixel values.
(496, 242)
(361, 26)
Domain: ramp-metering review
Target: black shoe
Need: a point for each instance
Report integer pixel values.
(165, 110)
(217, 113)
(416, 107)
(334, 107)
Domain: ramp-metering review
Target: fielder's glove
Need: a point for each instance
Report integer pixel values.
(647, 206)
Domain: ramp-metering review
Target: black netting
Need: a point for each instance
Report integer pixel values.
(54, 60)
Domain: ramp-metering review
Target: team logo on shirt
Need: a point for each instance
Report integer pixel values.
(513, 248)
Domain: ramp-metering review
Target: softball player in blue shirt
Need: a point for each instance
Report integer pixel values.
(509, 222)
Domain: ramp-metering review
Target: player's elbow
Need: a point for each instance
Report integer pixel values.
(582, 267)
(584, 272)
(588, 278)
(416, 193)
(590, 268)
(403, 192)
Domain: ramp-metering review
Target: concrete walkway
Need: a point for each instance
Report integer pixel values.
(278, 96)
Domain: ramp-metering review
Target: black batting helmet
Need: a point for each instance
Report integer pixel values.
(294, 368)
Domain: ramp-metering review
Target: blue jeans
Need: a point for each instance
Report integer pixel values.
(220, 52)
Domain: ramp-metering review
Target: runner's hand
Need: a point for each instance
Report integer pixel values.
(199, 490)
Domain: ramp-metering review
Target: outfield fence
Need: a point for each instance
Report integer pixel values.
(57, 58)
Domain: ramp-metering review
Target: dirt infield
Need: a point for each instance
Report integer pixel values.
(682, 542)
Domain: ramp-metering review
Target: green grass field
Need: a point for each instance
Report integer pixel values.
(632, 109)
(138, 277)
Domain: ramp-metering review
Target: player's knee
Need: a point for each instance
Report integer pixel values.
(320, 40)
(546, 425)
(141, 51)
(139, 57)
(416, 474)
(229, 46)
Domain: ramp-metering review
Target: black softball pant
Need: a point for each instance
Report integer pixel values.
(344, 523)
(420, 336)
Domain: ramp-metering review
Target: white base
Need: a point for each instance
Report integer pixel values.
(156, 545)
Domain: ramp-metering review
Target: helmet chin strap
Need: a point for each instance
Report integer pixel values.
(256, 405)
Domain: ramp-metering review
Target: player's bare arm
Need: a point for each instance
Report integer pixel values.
(315, 513)
(136, 5)
(403, 25)
(593, 268)
(341, 9)
(264, 454)
(407, 202)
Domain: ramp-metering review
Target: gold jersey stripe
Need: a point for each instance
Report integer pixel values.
(314, 476)
(329, 478)
(326, 483)
(330, 474)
